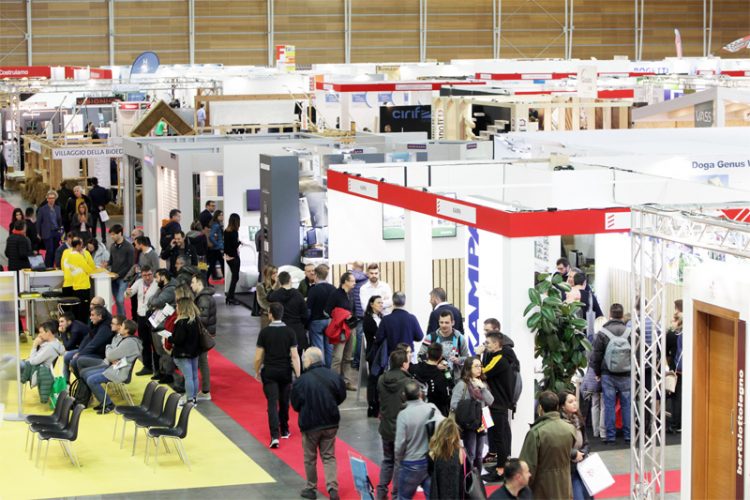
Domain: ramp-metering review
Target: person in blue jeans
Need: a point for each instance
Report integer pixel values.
(121, 260)
(317, 296)
(412, 442)
(614, 375)
(186, 346)
(50, 225)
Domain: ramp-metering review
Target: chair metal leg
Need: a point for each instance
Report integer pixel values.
(46, 453)
(156, 456)
(148, 443)
(28, 431)
(38, 451)
(185, 458)
(71, 451)
(135, 438)
(114, 431)
(179, 452)
(122, 438)
(104, 403)
(166, 448)
(31, 448)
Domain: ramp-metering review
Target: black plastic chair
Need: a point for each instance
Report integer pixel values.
(166, 417)
(155, 408)
(46, 419)
(120, 388)
(176, 433)
(65, 436)
(58, 421)
(133, 409)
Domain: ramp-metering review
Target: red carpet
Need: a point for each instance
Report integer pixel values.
(241, 397)
(6, 212)
(621, 488)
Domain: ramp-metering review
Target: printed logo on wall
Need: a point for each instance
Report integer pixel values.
(472, 276)
(704, 114)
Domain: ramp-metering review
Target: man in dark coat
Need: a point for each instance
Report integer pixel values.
(439, 302)
(18, 247)
(99, 199)
(295, 310)
(204, 299)
(50, 225)
(399, 326)
(316, 396)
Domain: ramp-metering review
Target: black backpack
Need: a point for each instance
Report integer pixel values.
(469, 413)
(80, 392)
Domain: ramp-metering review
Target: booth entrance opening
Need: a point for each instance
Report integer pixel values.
(716, 346)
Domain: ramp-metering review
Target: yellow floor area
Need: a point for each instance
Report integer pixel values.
(105, 468)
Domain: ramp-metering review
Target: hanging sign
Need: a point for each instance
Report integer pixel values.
(90, 152)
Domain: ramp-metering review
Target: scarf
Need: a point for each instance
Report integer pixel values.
(19, 232)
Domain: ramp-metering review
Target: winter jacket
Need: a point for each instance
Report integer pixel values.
(399, 326)
(453, 345)
(71, 207)
(601, 341)
(432, 324)
(185, 339)
(412, 442)
(338, 298)
(41, 376)
(121, 347)
(99, 336)
(77, 269)
(207, 305)
(199, 242)
(18, 250)
(49, 221)
(390, 386)
(163, 296)
(295, 309)
(546, 449)
(499, 369)
(582, 442)
(216, 237)
(316, 397)
(360, 279)
(171, 253)
(338, 326)
(99, 198)
(438, 387)
(73, 337)
(46, 353)
(33, 235)
(121, 258)
(461, 392)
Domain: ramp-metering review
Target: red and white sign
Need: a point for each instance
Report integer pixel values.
(425, 86)
(25, 71)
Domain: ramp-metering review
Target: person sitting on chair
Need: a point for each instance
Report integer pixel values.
(37, 369)
(125, 347)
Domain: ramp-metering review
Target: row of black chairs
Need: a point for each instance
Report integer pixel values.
(152, 415)
(61, 426)
(157, 419)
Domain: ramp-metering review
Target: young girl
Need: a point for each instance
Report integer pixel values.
(186, 346)
(569, 412)
(472, 385)
(448, 458)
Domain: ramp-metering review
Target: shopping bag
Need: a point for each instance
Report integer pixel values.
(361, 480)
(594, 474)
(58, 386)
(103, 215)
(487, 421)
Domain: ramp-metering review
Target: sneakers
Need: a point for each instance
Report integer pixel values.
(144, 371)
(184, 400)
(308, 493)
(204, 396)
(286, 435)
(491, 477)
(491, 458)
(274, 444)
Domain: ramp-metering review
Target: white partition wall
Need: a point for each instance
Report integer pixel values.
(11, 404)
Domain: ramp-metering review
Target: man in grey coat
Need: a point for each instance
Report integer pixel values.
(117, 364)
(412, 441)
(164, 373)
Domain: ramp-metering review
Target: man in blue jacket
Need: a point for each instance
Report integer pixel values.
(316, 396)
(49, 223)
(91, 350)
(399, 326)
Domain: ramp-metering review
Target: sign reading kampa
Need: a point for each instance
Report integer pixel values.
(87, 152)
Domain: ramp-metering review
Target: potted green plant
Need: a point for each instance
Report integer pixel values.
(560, 340)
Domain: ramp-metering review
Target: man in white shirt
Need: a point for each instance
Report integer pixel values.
(144, 288)
(375, 286)
(201, 115)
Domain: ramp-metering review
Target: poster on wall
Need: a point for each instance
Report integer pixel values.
(394, 223)
(406, 119)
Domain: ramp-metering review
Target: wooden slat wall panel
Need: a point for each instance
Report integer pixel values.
(446, 273)
(619, 291)
(464, 27)
(158, 26)
(314, 27)
(12, 33)
(77, 29)
(231, 32)
(385, 31)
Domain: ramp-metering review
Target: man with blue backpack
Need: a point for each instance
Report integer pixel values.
(455, 347)
(610, 360)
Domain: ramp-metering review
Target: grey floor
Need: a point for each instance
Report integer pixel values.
(236, 341)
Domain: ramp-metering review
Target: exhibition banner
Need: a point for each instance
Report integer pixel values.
(89, 152)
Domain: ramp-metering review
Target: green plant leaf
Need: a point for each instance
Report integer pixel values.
(578, 323)
(548, 313)
(552, 301)
(535, 297)
(542, 277)
(564, 286)
(529, 308)
(543, 286)
(557, 279)
(585, 343)
(533, 321)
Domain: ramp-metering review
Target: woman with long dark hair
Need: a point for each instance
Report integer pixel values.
(569, 412)
(16, 217)
(232, 254)
(370, 324)
(216, 244)
(473, 385)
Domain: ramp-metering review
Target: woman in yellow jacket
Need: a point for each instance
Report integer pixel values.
(78, 266)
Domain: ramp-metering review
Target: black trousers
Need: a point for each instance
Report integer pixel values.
(277, 386)
(215, 257)
(500, 436)
(234, 266)
(96, 221)
(144, 333)
(373, 400)
(81, 311)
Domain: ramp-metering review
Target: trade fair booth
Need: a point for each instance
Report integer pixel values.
(714, 107)
(508, 211)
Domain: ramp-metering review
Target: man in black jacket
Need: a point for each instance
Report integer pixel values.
(18, 247)
(342, 351)
(316, 396)
(93, 345)
(72, 331)
(179, 246)
(99, 199)
(500, 362)
(390, 390)
(439, 302)
(295, 309)
(317, 298)
(204, 299)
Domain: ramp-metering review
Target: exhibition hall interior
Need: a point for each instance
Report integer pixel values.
(443, 250)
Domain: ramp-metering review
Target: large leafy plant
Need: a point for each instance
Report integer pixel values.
(561, 340)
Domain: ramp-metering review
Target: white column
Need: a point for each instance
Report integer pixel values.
(150, 204)
(418, 259)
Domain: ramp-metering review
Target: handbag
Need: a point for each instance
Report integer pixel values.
(473, 484)
(207, 342)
